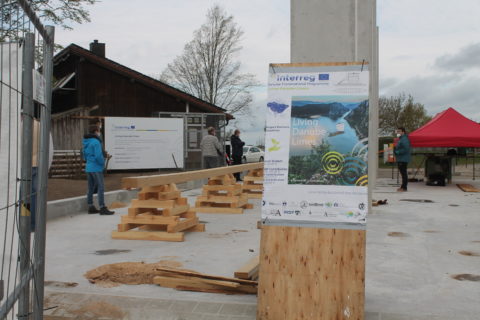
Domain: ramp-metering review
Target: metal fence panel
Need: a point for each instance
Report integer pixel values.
(25, 45)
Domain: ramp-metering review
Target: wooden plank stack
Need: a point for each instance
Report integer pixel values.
(222, 195)
(194, 281)
(253, 184)
(159, 213)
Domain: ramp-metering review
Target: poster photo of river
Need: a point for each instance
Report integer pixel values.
(328, 140)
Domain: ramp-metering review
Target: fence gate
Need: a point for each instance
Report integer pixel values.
(26, 52)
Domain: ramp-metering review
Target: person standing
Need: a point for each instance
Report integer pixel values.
(211, 149)
(237, 151)
(93, 155)
(402, 155)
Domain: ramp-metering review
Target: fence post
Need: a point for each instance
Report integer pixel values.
(26, 174)
(41, 210)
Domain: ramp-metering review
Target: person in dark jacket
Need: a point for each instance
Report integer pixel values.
(237, 150)
(402, 155)
(93, 155)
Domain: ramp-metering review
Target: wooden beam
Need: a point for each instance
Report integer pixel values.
(152, 204)
(249, 270)
(149, 219)
(203, 285)
(254, 179)
(185, 224)
(149, 235)
(313, 274)
(156, 180)
(187, 273)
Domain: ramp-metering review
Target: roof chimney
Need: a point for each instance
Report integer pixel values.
(97, 48)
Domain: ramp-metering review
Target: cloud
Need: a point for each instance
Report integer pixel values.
(468, 57)
(439, 92)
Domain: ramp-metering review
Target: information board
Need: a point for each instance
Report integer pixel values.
(316, 145)
(144, 143)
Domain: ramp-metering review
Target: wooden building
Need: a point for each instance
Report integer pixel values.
(88, 84)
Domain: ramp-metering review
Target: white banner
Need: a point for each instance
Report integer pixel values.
(316, 145)
(144, 143)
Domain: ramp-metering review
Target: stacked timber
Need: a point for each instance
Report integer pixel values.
(159, 213)
(253, 184)
(194, 281)
(222, 195)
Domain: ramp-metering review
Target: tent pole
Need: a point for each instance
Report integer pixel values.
(474, 156)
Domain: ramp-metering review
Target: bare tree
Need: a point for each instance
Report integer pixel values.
(401, 111)
(208, 67)
(58, 12)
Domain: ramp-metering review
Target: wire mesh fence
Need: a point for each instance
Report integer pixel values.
(26, 50)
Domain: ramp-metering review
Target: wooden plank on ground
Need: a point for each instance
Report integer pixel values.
(149, 235)
(249, 271)
(468, 188)
(156, 180)
(202, 285)
(179, 272)
(309, 273)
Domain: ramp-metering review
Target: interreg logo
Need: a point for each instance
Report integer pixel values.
(131, 127)
(304, 77)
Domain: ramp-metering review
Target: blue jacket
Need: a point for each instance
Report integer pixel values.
(402, 150)
(93, 154)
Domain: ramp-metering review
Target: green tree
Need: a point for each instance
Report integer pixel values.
(208, 67)
(401, 111)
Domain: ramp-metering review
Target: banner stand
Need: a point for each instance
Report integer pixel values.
(312, 249)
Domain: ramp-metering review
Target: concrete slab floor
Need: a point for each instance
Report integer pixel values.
(408, 273)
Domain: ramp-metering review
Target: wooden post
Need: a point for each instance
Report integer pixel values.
(311, 274)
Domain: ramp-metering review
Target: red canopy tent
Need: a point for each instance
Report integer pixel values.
(447, 129)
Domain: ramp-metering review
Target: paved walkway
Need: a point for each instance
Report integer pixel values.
(416, 245)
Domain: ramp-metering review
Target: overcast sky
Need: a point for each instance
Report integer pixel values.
(429, 48)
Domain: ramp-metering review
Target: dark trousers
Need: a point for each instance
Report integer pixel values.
(237, 160)
(402, 168)
(95, 182)
(210, 162)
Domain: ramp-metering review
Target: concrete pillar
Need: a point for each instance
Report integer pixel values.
(340, 31)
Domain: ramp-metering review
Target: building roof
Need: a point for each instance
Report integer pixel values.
(137, 76)
(448, 128)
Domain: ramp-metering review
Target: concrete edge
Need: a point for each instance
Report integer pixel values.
(78, 205)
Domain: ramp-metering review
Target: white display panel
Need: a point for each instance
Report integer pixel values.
(144, 143)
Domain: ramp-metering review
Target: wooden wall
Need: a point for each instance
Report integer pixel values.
(67, 133)
(119, 96)
(311, 274)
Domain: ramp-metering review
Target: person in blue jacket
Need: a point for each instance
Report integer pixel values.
(402, 155)
(93, 155)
